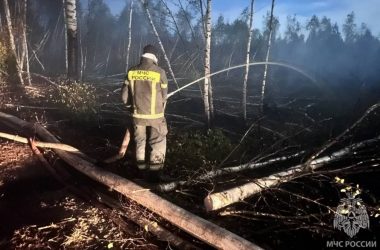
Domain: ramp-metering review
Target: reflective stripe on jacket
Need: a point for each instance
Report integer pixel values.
(146, 84)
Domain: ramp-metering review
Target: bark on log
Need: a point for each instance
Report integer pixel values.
(227, 197)
(103, 201)
(218, 172)
(151, 226)
(198, 227)
(44, 162)
(39, 144)
(51, 145)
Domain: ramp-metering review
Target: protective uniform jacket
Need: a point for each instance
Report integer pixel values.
(146, 88)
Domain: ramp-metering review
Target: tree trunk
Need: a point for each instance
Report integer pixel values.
(25, 42)
(145, 4)
(129, 36)
(267, 57)
(227, 197)
(39, 144)
(200, 228)
(207, 88)
(218, 172)
(246, 73)
(149, 225)
(65, 32)
(72, 38)
(12, 44)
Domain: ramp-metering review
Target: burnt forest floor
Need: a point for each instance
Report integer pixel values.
(37, 212)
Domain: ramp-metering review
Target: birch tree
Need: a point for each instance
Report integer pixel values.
(11, 40)
(65, 33)
(72, 38)
(129, 35)
(25, 43)
(267, 57)
(207, 91)
(145, 5)
(250, 31)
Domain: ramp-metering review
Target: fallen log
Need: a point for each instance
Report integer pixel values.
(166, 187)
(44, 162)
(39, 144)
(122, 150)
(151, 226)
(51, 145)
(227, 197)
(198, 227)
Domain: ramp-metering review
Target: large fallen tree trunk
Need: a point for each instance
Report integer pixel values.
(200, 228)
(218, 172)
(227, 197)
(148, 224)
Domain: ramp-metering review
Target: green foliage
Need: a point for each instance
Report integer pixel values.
(78, 99)
(196, 149)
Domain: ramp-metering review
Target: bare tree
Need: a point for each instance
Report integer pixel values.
(65, 32)
(145, 4)
(129, 35)
(250, 31)
(267, 56)
(11, 38)
(72, 38)
(25, 43)
(207, 91)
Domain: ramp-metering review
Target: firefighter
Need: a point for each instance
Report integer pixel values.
(145, 88)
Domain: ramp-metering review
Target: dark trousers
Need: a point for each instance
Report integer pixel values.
(157, 143)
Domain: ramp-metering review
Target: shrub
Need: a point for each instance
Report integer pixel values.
(78, 99)
(195, 149)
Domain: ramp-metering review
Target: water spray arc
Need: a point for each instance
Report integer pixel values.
(241, 66)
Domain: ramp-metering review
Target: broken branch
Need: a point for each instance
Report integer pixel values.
(21, 139)
(222, 199)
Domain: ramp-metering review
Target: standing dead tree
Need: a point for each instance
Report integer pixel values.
(207, 87)
(180, 37)
(65, 32)
(11, 41)
(25, 43)
(267, 57)
(246, 73)
(129, 36)
(72, 38)
(145, 5)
